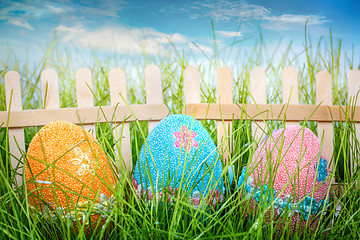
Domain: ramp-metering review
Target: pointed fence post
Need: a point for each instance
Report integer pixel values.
(84, 94)
(258, 93)
(154, 93)
(290, 89)
(16, 135)
(354, 100)
(224, 96)
(325, 129)
(122, 131)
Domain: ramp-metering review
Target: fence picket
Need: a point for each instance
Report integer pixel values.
(121, 132)
(290, 89)
(50, 96)
(84, 94)
(354, 98)
(224, 96)
(153, 85)
(16, 135)
(258, 93)
(50, 89)
(191, 85)
(325, 130)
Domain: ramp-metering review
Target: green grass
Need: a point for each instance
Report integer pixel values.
(132, 218)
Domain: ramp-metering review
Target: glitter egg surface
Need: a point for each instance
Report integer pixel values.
(290, 170)
(67, 172)
(179, 155)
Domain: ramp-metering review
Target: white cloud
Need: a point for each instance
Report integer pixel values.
(121, 39)
(201, 48)
(226, 10)
(108, 8)
(22, 14)
(20, 22)
(289, 21)
(248, 14)
(176, 37)
(229, 34)
(56, 9)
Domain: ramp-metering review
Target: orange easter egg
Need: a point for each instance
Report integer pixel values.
(67, 173)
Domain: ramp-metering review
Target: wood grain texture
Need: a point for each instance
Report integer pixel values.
(258, 112)
(118, 97)
(90, 115)
(84, 94)
(354, 100)
(224, 96)
(258, 93)
(50, 89)
(290, 88)
(191, 85)
(16, 135)
(153, 85)
(325, 129)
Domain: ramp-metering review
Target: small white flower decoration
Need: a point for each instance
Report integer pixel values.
(82, 161)
(139, 190)
(46, 212)
(105, 205)
(60, 212)
(196, 195)
(221, 198)
(195, 198)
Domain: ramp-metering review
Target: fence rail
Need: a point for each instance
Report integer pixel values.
(224, 111)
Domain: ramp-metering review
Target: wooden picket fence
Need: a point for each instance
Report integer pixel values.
(120, 114)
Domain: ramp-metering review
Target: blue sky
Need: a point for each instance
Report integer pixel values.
(129, 27)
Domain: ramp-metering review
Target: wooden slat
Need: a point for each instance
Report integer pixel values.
(191, 85)
(154, 93)
(325, 130)
(84, 94)
(224, 96)
(121, 132)
(258, 93)
(40, 117)
(290, 88)
(156, 112)
(322, 113)
(354, 98)
(50, 89)
(16, 135)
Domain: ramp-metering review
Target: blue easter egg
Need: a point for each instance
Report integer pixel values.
(180, 154)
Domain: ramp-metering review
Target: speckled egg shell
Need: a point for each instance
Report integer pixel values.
(290, 160)
(66, 171)
(180, 155)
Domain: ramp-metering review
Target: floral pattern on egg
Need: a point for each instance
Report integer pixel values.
(66, 173)
(289, 170)
(322, 172)
(186, 139)
(179, 157)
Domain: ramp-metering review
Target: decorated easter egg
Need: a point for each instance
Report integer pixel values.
(289, 171)
(67, 173)
(179, 157)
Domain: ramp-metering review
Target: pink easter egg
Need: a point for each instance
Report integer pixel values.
(289, 171)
